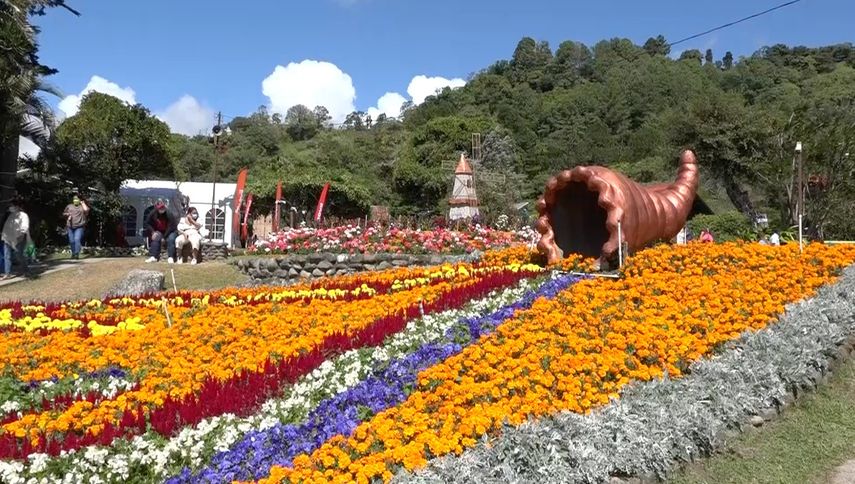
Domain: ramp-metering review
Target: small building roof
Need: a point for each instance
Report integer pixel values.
(463, 166)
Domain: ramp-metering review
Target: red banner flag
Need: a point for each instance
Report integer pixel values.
(276, 213)
(244, 230)
(237, 202)
(320, 210)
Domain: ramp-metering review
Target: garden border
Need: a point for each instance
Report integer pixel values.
(291, 268)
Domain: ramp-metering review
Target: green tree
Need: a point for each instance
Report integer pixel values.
(692, 55)
(193, 156)
(708, 56)
(657, 46)
(22, 112)
(727, 60)
(529, 64)
(572, 63)
(301, 123)
(322, 115)
(356, 120)
(108, 142)
(730, 140)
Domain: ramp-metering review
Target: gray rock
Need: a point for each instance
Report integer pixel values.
(756, 420)
(272, 265)
(281, 274)
(436, 260)
(318, 273)
(369, 258)
(768, 414)
(292, 272)
(473, 256)
(283, 263)
(298, 259)
(325, 265)
(356, 259)
(305, 275)
(137, 283)
(331, 272)
(786, 400)
(368, 267)
(400, 263)
(383, 266)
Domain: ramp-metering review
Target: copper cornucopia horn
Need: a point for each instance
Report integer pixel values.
(580, 210)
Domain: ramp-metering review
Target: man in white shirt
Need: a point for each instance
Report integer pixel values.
(14, 237)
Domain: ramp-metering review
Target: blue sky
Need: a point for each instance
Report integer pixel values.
(185, 59)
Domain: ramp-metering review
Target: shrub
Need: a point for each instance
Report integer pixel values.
(725, 226)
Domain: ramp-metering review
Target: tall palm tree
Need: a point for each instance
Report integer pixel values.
(21, 77)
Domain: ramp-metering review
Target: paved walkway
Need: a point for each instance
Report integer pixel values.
(845, 474)
(44, 268)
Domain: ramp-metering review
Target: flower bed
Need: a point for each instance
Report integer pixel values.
(756, 377)
(239, 354)
(192, 447)
(361, 377)
(357, 240)
(577, 351)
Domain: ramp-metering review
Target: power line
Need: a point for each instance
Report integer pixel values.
(758, 14)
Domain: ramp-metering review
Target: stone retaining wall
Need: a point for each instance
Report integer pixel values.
(291, 268)
(211, 250)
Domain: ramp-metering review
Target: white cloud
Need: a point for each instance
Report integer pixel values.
(388, 104)
(311, 83)
(188, 116)
(70, 104)
(27, 148)
(422, 86)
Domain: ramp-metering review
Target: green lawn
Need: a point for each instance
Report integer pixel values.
(804, 445)
(92, 278)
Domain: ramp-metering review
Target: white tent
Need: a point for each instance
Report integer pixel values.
(140, 196)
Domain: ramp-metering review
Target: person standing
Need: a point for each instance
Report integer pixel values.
(682, 236)
(188, 232)
(161, 225)
(76, 214)
(775, 240)
(15, 234)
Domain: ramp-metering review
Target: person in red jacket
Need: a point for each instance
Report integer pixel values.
(161, 225)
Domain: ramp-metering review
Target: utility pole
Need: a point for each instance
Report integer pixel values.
(217, 131)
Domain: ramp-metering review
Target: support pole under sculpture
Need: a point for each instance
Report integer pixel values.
(581, 208)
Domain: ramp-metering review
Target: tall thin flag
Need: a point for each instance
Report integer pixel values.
(320, 210)
(238, 201)
(276, 213)
(244, 230)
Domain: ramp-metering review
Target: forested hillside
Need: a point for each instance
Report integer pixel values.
(616, 103)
